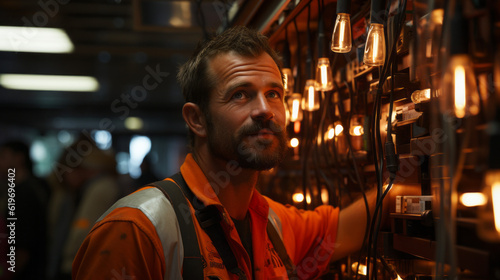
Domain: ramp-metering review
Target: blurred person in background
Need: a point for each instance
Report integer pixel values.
(85, 184)
(30, 206)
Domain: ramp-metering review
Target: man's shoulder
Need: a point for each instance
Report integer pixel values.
(146, 205)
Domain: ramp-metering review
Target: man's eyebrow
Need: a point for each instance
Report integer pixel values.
(248, 85)
(238, 85)
(276, 85)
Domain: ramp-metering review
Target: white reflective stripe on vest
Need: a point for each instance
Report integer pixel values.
(275, 221)
(153, 203)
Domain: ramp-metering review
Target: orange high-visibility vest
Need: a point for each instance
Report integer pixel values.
(140, 237)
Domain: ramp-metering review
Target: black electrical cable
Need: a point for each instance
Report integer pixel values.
(358, 177)
(201, 19)
(376, 124)
(392, 176)
(297, 79)
(320, 139)
(309, 117)
(309, 57)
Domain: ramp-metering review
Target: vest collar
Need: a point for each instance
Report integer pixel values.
(198, 183)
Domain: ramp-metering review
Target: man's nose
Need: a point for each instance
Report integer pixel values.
(261, 109)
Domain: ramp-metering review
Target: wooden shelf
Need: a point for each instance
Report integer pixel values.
(468, 258)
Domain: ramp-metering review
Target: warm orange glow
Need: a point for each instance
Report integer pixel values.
(324, 75)
(338, 129)
(296, 126)
(310, 99)
(295, 109)
(298, 197)
(288, 81)
(375, 46)
(357, 130)
(471, 199)
(294, 142)
(361, 269)
(341, 37)
(311, 93)
(324, 196)
(460, 91)
(420, 96)
(331, 132)
(495, 192)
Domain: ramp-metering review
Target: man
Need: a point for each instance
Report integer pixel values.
(234, 110)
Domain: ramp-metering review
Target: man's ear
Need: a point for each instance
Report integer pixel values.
(195, 119)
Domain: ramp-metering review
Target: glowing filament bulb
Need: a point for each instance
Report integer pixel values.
(324, 79)
(295, 110)
(288, 81)
(420, 96)
(375, 46)
(495, 193)
(310, 102)
(459, 95)
(341, 37)
(311, 98)
(331, 132)
(460, 91)
(338, 129)
(294, 142)
(294, 107)
(472, 199)
(357, 130)
(298, 197)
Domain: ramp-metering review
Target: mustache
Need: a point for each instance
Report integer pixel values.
(257, 126)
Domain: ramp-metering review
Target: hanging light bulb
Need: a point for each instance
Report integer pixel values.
(310, 99)
(294, 107)
(459, 93)
(375, 46)
(375, 41)
(489, 214)
(459, 96)
(341, 37)
(288, 81)
(324, 79)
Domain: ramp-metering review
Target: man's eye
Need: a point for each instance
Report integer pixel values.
(273, 94)
(238, 95)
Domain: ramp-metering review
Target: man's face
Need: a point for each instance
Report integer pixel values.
(246, 115)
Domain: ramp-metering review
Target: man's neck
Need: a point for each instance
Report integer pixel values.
(233, 185)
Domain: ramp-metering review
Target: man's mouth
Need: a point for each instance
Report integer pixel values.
(263, 132)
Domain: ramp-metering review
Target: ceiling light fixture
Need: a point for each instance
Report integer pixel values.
(49, 82)
(34, 39)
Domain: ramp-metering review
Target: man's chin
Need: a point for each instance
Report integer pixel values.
(260, 159)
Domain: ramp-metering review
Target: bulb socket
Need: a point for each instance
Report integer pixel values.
(344, 6)
(459, 32)
(377, 11)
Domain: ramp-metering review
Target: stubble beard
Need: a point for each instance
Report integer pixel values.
(259, 154)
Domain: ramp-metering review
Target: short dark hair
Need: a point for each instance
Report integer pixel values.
(193, 77)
